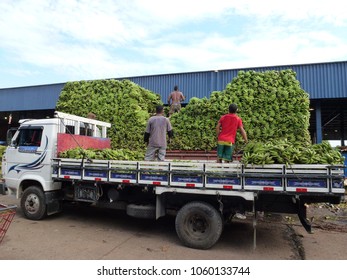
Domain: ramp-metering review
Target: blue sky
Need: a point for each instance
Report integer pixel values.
(44, 42)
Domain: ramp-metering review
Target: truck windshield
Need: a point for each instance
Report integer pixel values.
(29, 137)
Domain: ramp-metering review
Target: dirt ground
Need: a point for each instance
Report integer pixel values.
(329, 237)
(329, 232)
(85, 233)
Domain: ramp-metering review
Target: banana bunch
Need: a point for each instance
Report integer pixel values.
(106, 154)
(283, 152)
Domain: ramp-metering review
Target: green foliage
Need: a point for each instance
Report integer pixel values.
(2, 150)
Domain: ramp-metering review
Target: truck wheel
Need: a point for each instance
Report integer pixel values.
(33, 203)
(141, 211)
(198, 225)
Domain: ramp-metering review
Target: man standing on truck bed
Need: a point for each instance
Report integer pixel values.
(176, 96)
(155, 135)
(226, 132)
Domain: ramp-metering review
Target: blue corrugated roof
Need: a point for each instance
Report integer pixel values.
(320, 80)
(29, 98)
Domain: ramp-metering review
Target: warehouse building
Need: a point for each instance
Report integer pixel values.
(326, 84)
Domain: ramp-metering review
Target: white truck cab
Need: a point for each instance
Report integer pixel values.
(27, 161)
(28, 156)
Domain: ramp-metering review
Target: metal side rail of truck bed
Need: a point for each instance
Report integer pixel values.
(299, 178)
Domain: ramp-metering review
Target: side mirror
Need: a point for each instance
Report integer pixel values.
(13, 143)
(9, 137)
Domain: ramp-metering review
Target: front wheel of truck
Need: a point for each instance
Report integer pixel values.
(33, 203)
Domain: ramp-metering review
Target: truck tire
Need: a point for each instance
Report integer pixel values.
(198, 225)
(141, 211)
(33, 203)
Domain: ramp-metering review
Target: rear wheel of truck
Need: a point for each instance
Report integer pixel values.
(198, 225)
(33, 203)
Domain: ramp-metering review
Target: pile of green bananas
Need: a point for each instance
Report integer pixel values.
(271, 104)
(284, 152)
(105, 154)
(124, 104)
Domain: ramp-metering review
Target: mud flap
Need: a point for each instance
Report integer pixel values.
(53, 200)
(160, 207)
(302, 216)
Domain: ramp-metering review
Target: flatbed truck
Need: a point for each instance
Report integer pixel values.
(202, 195)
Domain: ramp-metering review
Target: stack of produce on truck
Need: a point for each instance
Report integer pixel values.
(204, 195)
(124, 104)
(273, 106)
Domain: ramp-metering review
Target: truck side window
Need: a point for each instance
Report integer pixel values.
(70, 129)
(30, 137)
(88, 130)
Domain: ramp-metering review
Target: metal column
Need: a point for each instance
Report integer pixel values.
(319, 122)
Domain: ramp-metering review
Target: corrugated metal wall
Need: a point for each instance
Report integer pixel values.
(194, 84)
(327, 80)
(320, 80)
(30, 98)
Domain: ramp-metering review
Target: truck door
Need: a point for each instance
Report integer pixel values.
(25, 156)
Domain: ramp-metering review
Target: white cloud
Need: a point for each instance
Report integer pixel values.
(95, 39)
(329, 11)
